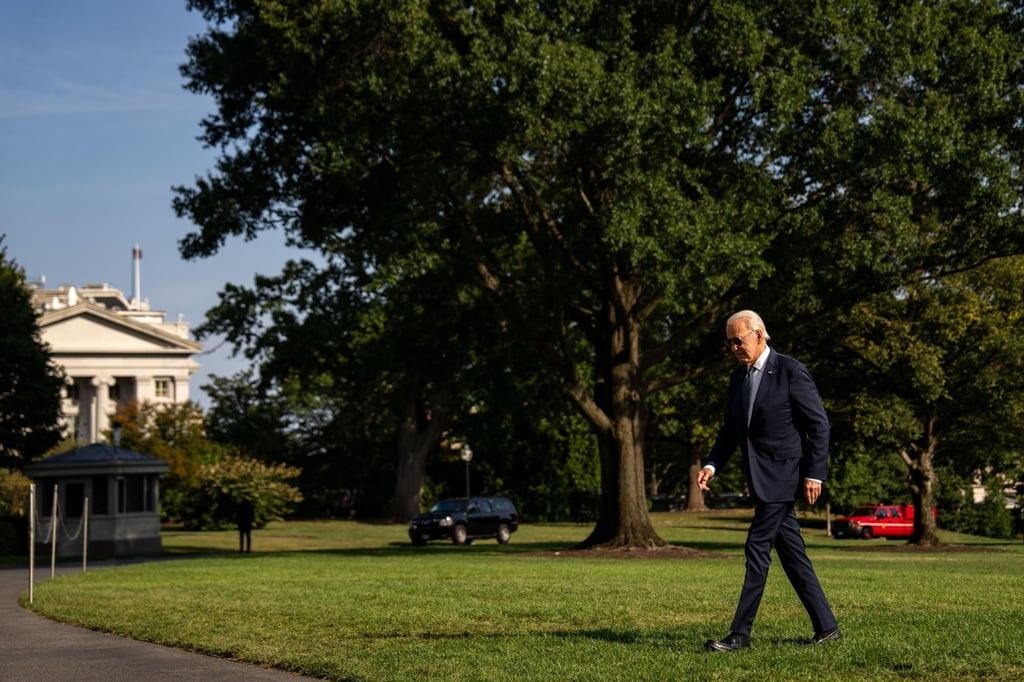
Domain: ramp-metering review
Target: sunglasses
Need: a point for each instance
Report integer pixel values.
(738, 341)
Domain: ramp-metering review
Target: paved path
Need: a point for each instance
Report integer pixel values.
(35, 648)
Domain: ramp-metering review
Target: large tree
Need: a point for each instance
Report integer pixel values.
(387, 342)
(933, 381)
(30, 382)
(620, 175)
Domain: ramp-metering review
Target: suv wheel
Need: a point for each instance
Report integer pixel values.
(459, 536)
(504, 534)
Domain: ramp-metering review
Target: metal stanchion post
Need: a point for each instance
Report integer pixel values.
(85, 535)
(31, 540)
(53, 535)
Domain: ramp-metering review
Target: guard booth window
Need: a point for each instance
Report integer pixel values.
(71, 501)
(74, 498)
(100, 502)
(134, 494)
(45, 504)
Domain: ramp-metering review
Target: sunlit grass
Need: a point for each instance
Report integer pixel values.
(353, 601)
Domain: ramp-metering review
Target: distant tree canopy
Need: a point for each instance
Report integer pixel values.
(258, 422)
(30, 383)
(207, 480)
(617, 176)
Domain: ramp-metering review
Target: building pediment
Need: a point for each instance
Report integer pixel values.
(92, 329)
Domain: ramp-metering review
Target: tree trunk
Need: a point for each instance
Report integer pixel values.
(623, 519)
(419, 431)
(922, 487)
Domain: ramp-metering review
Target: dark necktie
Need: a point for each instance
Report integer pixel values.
(748, 393)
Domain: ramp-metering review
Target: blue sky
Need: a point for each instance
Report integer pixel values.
(95, 130)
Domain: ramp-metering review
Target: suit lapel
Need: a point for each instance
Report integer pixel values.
(764, 382)
(736, 396)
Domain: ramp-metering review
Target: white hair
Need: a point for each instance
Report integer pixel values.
(752, 320)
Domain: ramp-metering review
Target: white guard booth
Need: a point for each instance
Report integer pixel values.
(123, 490)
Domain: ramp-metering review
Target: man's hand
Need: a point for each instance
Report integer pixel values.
(812, 489)
(703, 476)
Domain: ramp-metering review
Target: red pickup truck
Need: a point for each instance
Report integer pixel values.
(876, 521)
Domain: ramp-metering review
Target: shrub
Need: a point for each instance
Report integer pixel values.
(993, 519)
(14, 536)
(14, 491)
(989, 519)
(212, 498)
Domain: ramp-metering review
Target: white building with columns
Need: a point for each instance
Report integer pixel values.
(113, 350)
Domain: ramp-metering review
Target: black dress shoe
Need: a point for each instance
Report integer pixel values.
(830, 636)
(731, 643)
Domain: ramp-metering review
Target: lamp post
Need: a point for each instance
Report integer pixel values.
(466, 455)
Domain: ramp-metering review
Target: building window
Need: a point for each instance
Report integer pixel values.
(73, 426)
(122, 390)
(162, 388)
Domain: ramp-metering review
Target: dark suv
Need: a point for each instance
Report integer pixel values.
(465, 519)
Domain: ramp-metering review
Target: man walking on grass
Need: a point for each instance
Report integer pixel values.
(776, 419)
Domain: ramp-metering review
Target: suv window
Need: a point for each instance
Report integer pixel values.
(449, 506)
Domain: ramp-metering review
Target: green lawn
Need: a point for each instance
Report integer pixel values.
(352, 601)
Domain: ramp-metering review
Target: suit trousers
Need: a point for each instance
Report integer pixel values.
(775, 524)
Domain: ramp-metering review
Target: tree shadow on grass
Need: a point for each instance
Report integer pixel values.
(543, 551)
(681, 638)
(528, 550)
(687, 638)
(391, 549)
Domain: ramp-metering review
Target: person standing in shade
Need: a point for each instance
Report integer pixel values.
(776, 420)
(245, 519)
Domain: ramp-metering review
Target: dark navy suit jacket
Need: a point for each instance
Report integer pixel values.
(787, 439)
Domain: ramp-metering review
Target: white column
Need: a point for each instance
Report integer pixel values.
(87, 413)
(101, 420)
